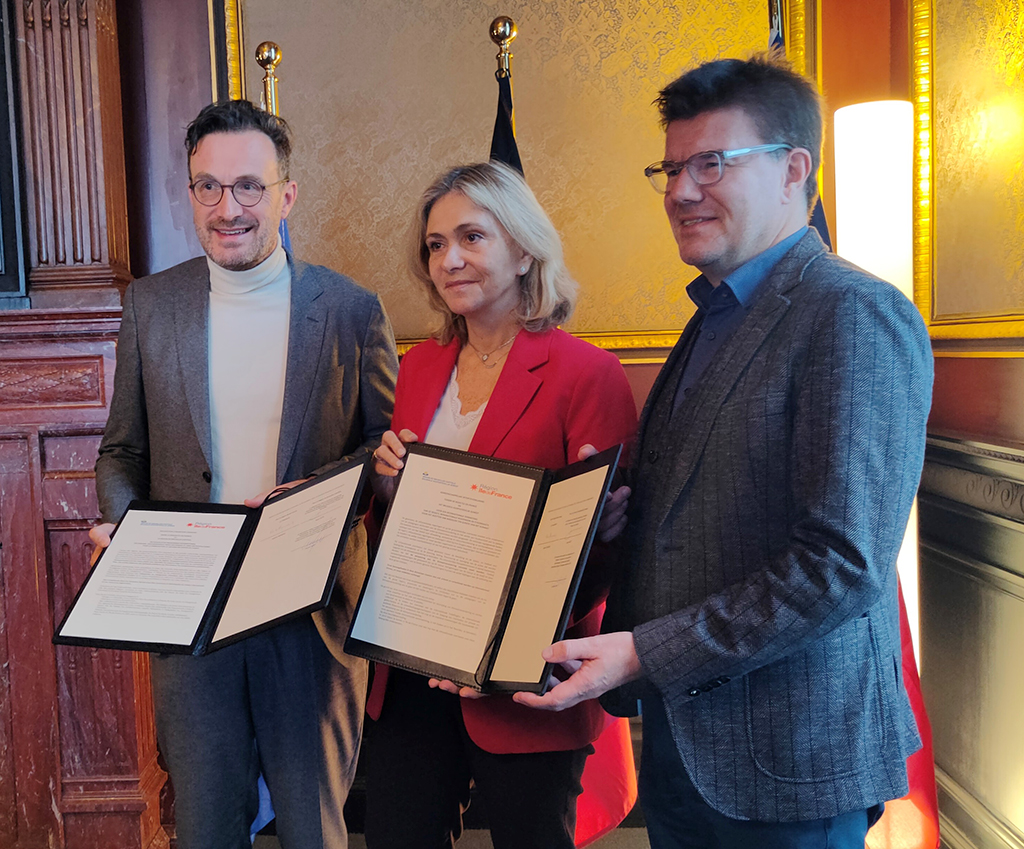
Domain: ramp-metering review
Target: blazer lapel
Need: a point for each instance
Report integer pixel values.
(192, 334)
(513, 392)
(306, 328)
(431, 383)
(696, 419)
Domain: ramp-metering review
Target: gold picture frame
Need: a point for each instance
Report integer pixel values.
(227, 60)
(799, 22)
(969, 329)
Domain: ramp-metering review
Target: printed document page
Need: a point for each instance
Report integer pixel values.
(155, 580)
(546, 581)
(445, 554)
(291, 554)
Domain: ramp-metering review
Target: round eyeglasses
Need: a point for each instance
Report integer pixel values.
(246, 192)
(706, 168)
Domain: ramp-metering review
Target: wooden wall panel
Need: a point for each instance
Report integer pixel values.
(971, 511)
(33, 756)
(73, 152)
(979, 398)
(78, 759)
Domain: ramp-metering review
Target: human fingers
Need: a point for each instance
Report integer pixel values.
(564, 695)
(586, 451)
(100, 536)
(257, 500)
(455, 689)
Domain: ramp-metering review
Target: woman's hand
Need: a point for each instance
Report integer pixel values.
(613, 517)
(257, 500)
(455, 689)
(100, 536)
(387, 462)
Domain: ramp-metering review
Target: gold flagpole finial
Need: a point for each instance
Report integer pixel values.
(503, 31)
(268, 57)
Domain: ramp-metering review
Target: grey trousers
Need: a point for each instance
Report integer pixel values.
(279, 702)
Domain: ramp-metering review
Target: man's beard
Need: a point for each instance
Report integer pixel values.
(260, 246)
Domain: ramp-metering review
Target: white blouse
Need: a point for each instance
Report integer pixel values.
(450, 427)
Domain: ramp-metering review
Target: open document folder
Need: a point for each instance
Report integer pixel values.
(189, 578)
(478, 566)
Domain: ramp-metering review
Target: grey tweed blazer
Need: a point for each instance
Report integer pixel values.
(338, 398)
(760, 582)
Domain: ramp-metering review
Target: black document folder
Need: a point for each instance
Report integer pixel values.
(478, 566)
(189, 578)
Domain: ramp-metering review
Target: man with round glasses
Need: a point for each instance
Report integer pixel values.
(756, 614)
(237, 372)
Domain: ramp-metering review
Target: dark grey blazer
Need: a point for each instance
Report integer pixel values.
(338, 397)
(760, 582)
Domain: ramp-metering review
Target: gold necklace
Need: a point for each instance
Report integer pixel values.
(486, 355)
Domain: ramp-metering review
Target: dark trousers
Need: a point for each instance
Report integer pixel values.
(678, 818)
(419, 763)
(278, 702)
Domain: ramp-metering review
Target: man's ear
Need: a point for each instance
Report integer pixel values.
(291, 192)
(798, 172)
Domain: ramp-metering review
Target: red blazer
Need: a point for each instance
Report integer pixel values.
(555, 394)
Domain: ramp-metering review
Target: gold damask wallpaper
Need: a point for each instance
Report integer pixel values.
(978, 113)
(385, 94)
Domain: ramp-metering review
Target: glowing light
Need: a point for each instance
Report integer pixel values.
(874, 144)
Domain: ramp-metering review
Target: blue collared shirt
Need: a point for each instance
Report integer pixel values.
(721, 309)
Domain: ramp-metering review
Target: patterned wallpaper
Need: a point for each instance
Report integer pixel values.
(385, 94)
(979, 170)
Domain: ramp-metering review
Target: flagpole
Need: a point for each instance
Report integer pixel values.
(503, 140)
(503, 32)
(268, 57)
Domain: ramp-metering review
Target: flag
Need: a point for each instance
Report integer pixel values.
(911, 822)
(819, 223)
(777, 43)
(503, 141)
(609, 784)
(286, 239)
(609, 775)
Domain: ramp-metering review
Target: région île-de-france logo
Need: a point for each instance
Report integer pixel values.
(206, 526)
(487, 489)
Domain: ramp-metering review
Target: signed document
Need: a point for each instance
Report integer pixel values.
(190, 578)
(478, 566)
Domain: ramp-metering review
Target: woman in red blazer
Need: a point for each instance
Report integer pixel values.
(500, 379)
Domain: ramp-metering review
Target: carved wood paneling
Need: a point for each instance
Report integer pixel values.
(74, 151)
(52, 383)
(34, 759)
(971, 510)
(78, 760)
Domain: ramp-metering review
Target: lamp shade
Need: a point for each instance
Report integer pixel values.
(874, 145)
(874, 180)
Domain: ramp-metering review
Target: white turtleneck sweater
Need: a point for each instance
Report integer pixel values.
(249, 315)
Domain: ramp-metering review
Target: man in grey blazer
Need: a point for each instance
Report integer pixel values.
(238, 372)
(756, 615)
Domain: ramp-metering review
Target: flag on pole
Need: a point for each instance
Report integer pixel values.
(777, 42)
(911, 822)
(503, 141)
(609, 775)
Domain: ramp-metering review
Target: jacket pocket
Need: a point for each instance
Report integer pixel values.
(816, 715)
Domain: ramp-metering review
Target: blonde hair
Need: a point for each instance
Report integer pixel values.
(547, 294)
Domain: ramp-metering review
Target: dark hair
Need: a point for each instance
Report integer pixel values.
(236, 116)
(784, 106)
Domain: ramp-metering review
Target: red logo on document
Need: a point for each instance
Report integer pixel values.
(483, 489)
